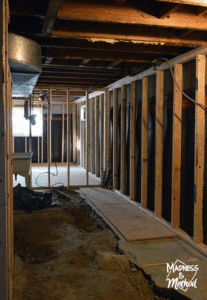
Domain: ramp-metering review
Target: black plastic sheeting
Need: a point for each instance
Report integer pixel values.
(138, 142)
(187, 166)
(119, 148)
(167, 156)
(127, 166)
(151, 155)
(29, 200)
(111, 139)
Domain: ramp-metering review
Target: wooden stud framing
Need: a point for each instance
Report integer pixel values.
(74, 134)
(159, 143)
(92, 136)
(38, 149)
(78, 134)
(68, 138)
(49, 135)
(123, 139)
(88, 139)
(199, 148)
(144, 141)
(42, 138)
(132, 141)
(101, 133)
(63, 132)
(97, 144)
(108, 103)
(84, 142)
(176, 144)
(106, 126)
(115, 140)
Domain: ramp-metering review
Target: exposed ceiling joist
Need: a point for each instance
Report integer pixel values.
(74, 10)
(168, 9)
(100, 55)
(188, 2)
(52, 10)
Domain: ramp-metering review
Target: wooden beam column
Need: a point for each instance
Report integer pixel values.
(49, 134)
(102, 134)
(144, 141)
(68, 137)
(93, 136)
(176, 146)
(115, 140)
(42, 135)
(199, 148)
(97, 143)
(88, 138)
(107, 128)
(159, 143)
(78, 134)
(123, 139)
(63, 131)
(74, 134)
(132, 141)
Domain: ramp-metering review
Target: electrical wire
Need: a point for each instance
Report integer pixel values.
(173, 76)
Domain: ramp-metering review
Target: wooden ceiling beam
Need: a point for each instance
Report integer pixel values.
(52, 11)
(74, 10)
(123, 32)
(167, 9)
(81, 76)
(101, 55)
(118, 46)
(188, 2)
(76, 80)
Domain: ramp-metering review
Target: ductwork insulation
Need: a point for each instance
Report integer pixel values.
(25, 59)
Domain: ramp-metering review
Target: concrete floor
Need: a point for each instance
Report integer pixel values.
(40, 176)
(150, 245)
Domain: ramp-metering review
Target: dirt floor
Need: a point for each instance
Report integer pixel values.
(69, 253)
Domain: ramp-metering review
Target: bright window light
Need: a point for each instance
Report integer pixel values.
(20, 126)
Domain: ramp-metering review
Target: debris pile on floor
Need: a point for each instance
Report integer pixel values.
(29, 200)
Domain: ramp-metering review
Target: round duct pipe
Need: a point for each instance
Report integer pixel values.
(25, 60)
(24, 53)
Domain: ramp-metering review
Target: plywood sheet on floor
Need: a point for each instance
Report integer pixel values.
(127, 218)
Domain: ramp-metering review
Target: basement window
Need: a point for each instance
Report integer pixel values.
(20, 126)
(83, 113)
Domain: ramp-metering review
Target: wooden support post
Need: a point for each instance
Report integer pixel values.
(63, 132)
(93, 136)
(97, 150)
(176, 146)
(102, 134)
(144, 141)
(81, 139)
(85, 145)
(42, 137)
(25, 144)
(199, 148)
(106, 126)
(74, 135)
(38, 149)
(159, 143)
(49, 135)
(115, 140)
(123, 139)
(132, 141)
(88, 139)
(78, 134)
(68, 137)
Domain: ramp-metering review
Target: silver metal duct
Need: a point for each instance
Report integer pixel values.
(25, 60)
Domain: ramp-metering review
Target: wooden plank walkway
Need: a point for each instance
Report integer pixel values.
(129, 220)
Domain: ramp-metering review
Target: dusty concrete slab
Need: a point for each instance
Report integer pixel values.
(149, 245)
(152, 257)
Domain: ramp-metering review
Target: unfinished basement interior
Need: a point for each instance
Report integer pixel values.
(103, 149)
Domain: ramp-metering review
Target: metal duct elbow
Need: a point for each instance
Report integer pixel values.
(25, 60)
